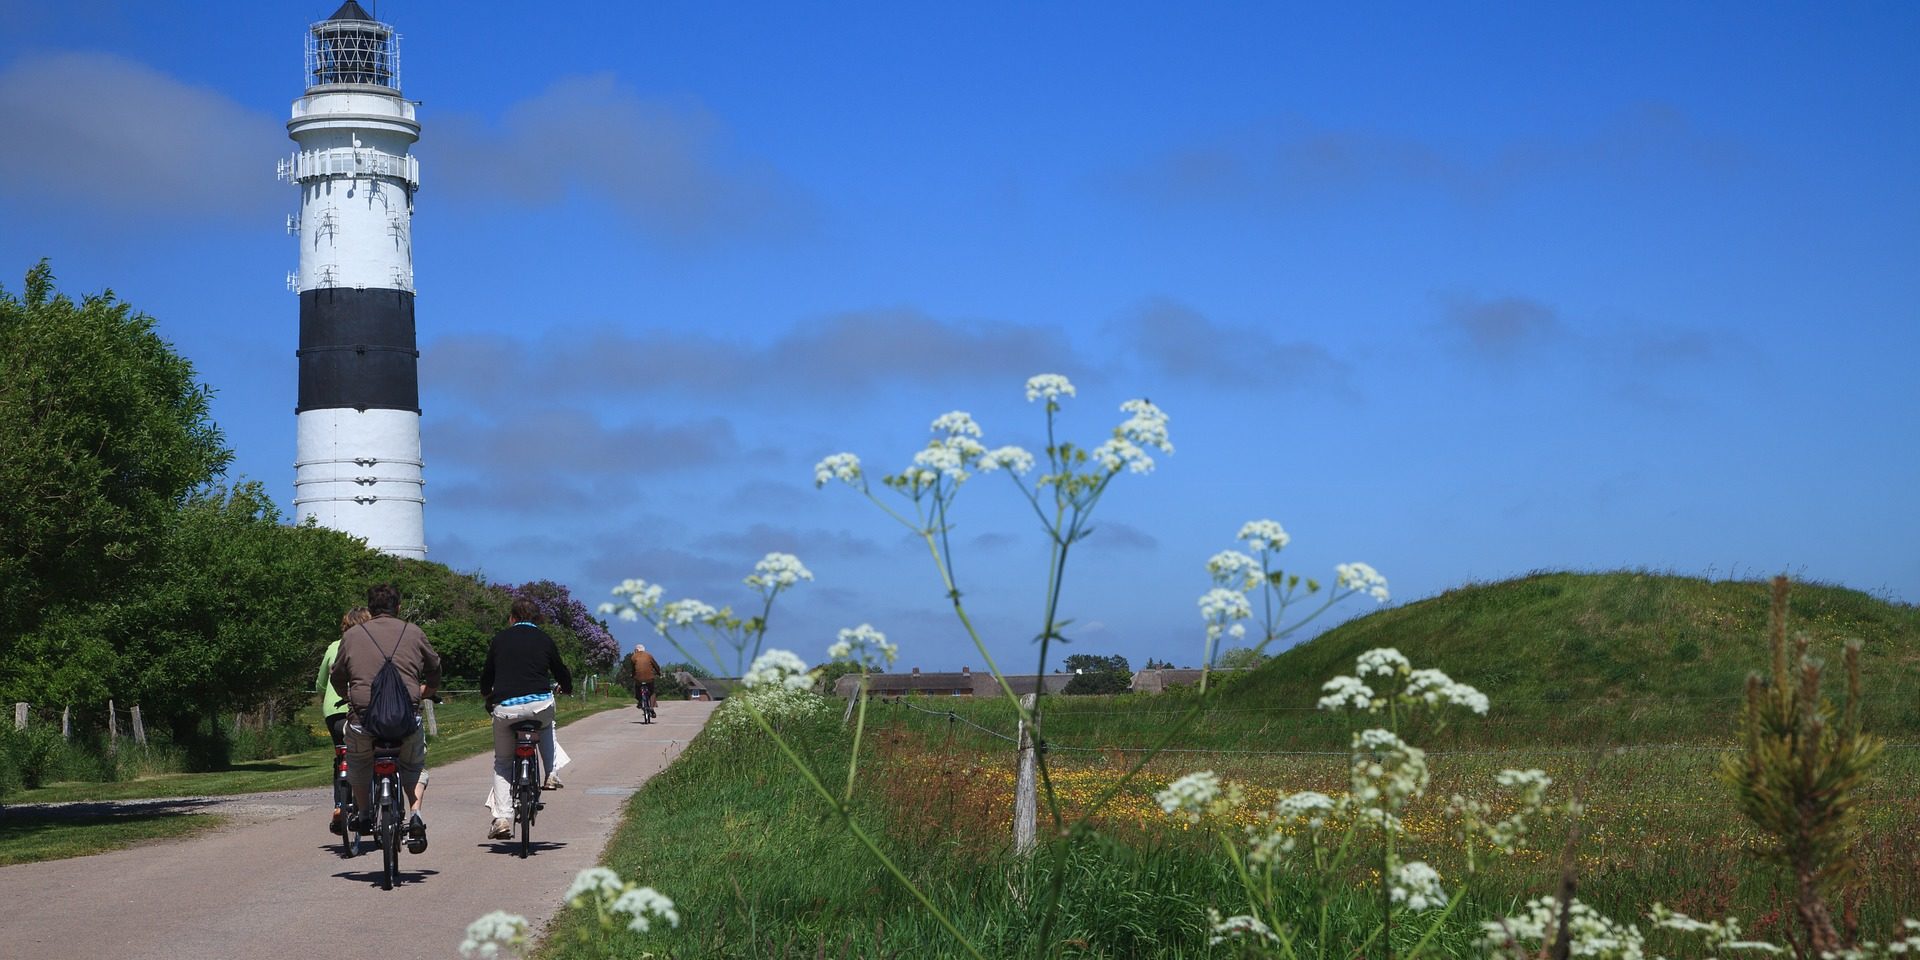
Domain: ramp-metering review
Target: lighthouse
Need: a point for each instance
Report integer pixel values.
(357, 467)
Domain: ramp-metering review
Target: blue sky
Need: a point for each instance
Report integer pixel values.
(1461, 293)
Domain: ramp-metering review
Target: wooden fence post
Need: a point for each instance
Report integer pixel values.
(1026, 805)
(139, 729)
(113, 728)
(19, 716)
(433, 724)
(66, 722)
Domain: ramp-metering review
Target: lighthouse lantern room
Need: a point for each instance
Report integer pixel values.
(357, 466)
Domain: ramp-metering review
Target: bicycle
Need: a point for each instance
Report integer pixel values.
(527, 777)
(389, 809)
(647, 712)
(343, 801)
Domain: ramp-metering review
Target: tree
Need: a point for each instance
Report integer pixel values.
(1240, 658)
(104, 431)
(233, 609)
(1097, 674)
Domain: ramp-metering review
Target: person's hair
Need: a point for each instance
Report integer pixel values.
(383, 600)
(526, 611)
(353, 618)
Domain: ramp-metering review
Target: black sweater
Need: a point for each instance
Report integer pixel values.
(520, 660)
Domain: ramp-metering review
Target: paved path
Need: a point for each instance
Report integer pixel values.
(273, 886)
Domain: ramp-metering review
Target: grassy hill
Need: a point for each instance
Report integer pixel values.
(1601, 647)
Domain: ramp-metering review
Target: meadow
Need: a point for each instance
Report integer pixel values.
(760, 866)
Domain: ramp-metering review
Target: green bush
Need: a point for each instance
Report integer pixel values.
(28, 758)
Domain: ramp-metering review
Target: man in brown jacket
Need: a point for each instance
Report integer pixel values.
(645, 671)
(363, 651)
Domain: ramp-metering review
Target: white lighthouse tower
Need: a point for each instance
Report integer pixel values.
(358, 466)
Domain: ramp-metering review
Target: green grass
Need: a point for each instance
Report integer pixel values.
(465, 730)
(33, 839)
(1621, 686)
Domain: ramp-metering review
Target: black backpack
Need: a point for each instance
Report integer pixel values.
(389, 714)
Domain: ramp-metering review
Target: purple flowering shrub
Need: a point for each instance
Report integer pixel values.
(568, 619)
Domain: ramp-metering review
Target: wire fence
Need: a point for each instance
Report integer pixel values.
(1050, 744)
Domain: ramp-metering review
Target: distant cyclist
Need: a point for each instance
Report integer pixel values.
(363, 650)
(523, 665)
(645, 671)
(333, 706)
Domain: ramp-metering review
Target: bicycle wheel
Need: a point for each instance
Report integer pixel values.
(389, 831)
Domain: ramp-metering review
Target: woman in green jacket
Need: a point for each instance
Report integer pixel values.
(333, 704)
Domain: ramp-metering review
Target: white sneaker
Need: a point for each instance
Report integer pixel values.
(501, 830)
(553, 783)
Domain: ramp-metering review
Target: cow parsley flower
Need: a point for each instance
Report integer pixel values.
(1416, 887)
(1198, 795)
(1347, 692)
(942, 460)
(778, 571)
(1237, 926)
(1592, 936)
(643, 904)
(1221, 608)
(1263, 535)
(1434, 688)
(844, 467)
(1147, 426)
(956, 423)
(1052, 386)
(1119, 452)
(1361, 578)
(1386, 767)
(1012, 459)
(1383, 661)
(1231, 568)
(599, 881)
(488, 934)
(863, 645)
(777, 668)
(681, 613)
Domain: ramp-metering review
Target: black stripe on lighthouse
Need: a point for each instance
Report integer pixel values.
(357, 350)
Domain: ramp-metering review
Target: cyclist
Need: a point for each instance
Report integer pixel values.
(333, 707)
(362, 652)
(523, 666)
(645, 671)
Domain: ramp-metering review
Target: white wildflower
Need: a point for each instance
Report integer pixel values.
(681, 613)
(1231, 568)
(1382, 661)
(1052, 386)
(642, 904)
(1263, 535)
(1120, 452)
(844, 467)
(1147, 426)
(1593, 936)
(1386, 767)
(1347, 692)
(1012, 459)
(1308, 805)
(957, 423)
(777, 668)
(940, 460)
(488, 934)
(1416, 887)
(1361, 578)
(863, 645)
(1239, 925)
(1434, 688)
(598, 881)
(1191, 796)
(778, 570)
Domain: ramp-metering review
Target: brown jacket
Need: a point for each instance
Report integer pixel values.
(363, 651)
(645, 668)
